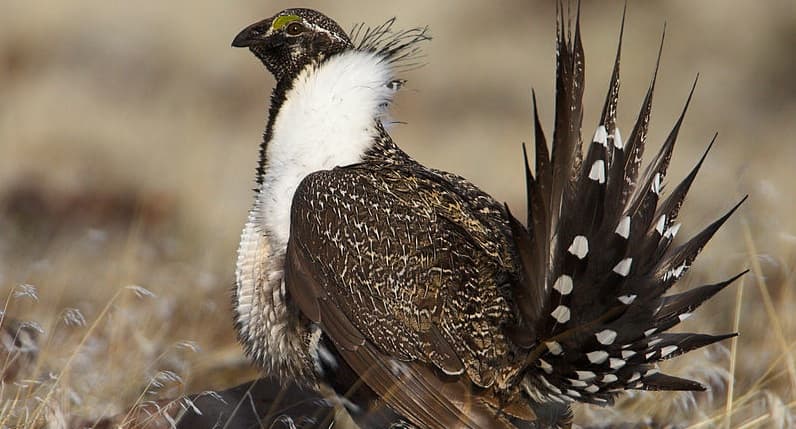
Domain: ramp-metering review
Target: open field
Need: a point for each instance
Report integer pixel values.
(128, 140)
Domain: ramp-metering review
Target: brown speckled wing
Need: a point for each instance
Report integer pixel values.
(406, 291)
(409, 387)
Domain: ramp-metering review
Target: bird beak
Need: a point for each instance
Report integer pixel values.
(252, 34)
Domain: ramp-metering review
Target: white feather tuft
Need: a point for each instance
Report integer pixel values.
(328, 119)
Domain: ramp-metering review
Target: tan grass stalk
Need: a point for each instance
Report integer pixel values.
(39, 409)
(758, 421)
(733, 354)
(769, 304)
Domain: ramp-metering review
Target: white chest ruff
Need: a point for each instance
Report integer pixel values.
(328, 119)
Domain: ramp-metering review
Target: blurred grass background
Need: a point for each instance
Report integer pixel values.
(128, 141)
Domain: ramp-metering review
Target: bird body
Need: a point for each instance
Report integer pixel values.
(411, 291)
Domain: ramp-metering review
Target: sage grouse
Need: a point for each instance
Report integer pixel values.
(416, 295)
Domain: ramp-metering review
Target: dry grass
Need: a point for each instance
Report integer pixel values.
(127, 140)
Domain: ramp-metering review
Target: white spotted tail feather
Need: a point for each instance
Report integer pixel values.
(596, 255)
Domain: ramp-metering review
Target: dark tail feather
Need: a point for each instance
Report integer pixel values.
(673, 345)
(528, 293)
(643, 210)
(544, 172)
(667, 382)
(612, 98)
(595, 258)
(566, 151)
(613, 138)
(673, 266)
(660, 164)
(676, 308)
(670, 208)
(634, 148)
(671, 205)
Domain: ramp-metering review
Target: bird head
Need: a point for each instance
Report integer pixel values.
(291, 39)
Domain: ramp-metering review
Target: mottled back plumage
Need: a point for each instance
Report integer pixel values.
(415, 290)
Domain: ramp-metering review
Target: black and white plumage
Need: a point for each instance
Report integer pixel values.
(414, 293)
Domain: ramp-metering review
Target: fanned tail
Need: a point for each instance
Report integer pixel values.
(596, 255)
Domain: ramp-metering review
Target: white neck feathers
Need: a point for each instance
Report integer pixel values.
(327, 120)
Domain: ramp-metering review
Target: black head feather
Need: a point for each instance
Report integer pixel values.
(291, 39)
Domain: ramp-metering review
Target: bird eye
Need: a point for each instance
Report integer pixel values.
(294, 29)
